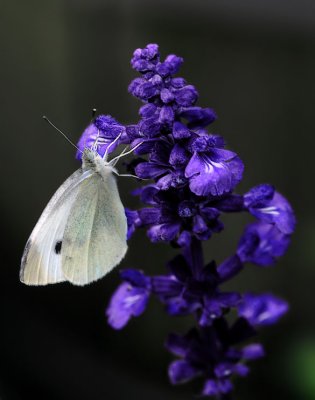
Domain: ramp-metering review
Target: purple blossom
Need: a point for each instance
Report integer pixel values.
(193, 177)
(129, 300)
(269, 206)
(145, 59)
(213, 353)
(184, 293)
(262, 244)
(197, 116)
(263, 309)
(101, 133)
(133, 221)
(178, 216)
(212, 170)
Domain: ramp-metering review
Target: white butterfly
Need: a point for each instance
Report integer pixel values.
(81, 235)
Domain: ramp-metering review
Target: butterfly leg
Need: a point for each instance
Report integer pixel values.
(110, 145)
(129, 175)
(122, 153)
(114, 160)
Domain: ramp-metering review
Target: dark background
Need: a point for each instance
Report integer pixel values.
(253, 62)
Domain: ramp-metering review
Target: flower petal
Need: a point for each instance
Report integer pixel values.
(253, 351)
(179, 156)
(275, 209)
(198, 117)
(166, 286)
(230, 267)
(163, 232)
(262, 243)
(181, 371)
(259, 196)
(132, 221)
(186, 96)
(89, 137)
(149, 170)
(166, 96)
(126, 302)
(207, 177)
(150, 216)
(180, 131)
(177, 345)
(261, 310)
(134, 277)
(215, 388)
(148, 193)
(166, 115)
(174, 62)
(184, 239)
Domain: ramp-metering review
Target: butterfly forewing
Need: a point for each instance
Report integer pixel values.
(41, 261)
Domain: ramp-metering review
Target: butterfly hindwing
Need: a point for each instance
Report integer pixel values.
(95, 234)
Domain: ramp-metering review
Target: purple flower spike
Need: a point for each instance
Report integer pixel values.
(192, 181)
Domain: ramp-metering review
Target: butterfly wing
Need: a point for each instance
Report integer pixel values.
(41, 261)
(95, 235)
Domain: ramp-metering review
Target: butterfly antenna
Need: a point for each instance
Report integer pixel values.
(63, 134)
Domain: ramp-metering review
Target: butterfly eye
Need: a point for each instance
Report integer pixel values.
(58, 247)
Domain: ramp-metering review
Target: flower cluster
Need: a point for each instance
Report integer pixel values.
(193, 180)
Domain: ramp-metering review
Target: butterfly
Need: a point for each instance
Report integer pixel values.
(81, 234)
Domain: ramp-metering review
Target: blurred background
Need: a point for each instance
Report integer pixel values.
(253, 62)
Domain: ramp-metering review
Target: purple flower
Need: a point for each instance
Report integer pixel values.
(263, 309)
(164, 165)
(129, 300)
(184, 293)
(262, 244)
(133, 221)
(269, 206)
(101, 133)
(198, 117)
(210, 353)
(144, 60)
(175, 216)
(230, 267)
(212, 170)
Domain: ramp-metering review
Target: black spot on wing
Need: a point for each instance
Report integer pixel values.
(58, 247)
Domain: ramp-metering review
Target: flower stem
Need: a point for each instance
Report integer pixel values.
(194, 256)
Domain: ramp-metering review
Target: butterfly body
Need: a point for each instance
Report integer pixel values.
(81, 235)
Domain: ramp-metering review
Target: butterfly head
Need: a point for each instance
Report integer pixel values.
(91, 160)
